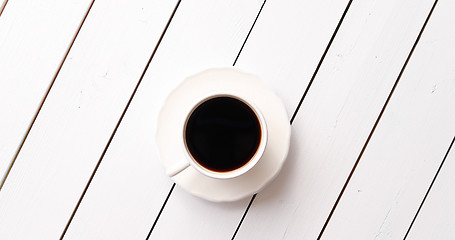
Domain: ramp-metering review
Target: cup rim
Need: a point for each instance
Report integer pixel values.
(247, 166)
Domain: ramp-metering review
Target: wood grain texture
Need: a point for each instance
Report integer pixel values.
(435, 219)
(284, 51)
(408, 145)
(130, 185)
(336, 118)
(34, 39)
(78, 117)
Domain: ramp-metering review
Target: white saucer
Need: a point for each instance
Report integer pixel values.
(223, 81)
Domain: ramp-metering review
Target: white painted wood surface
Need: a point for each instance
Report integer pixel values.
(408, 145)
(78, 117)
(336, 118)
(129, 201)
(284, 48)
(34, 39)
(435, 219)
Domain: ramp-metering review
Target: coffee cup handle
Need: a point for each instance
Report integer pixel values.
(177, 168)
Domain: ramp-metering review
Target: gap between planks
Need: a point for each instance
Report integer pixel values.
(120, 120)
(429, 188)
(377, 122)
(2, 7)
(45, 95)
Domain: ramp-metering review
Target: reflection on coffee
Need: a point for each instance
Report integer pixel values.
(223, 134)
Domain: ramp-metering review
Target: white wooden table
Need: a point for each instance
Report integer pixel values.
(369, 86)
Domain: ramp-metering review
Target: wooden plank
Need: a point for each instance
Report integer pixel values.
(435, 219)
(336, 118)
(34, 39)
(79, 116)
(284, 51)
(409, 143)
(124, 205)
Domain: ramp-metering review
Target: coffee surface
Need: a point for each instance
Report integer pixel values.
(223, 134)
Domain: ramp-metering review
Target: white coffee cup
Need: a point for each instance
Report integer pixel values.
(251, 176)
(191, 161)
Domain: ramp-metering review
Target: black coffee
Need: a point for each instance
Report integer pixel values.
(223, 134)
